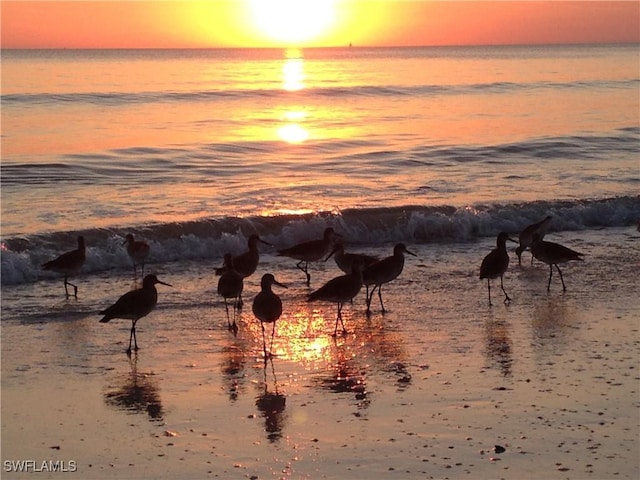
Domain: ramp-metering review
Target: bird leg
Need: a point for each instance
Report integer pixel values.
(564, 289)
(339, 318)
(305, 269)
(273, 332)
(489, 289)
(132, 335)
(506, 297)
(226, 308)
(264, 345)
(239, 302)
(75, 288)
(370, 297)
(380, 297)
(550, 274)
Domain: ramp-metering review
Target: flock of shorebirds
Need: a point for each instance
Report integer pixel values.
(359, 270)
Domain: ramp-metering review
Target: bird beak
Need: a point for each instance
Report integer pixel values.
(279, 284)
(335, 249)
(410, 253)
(125, 241)
(266, 243)
(167, 284)
(512, 240)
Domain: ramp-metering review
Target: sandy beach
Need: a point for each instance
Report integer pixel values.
(441, 386)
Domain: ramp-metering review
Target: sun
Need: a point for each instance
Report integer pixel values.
(292, 22)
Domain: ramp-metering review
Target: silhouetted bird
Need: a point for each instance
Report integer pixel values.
(553, 254)
(267, 307)
(311, 251)
(384, 271)
(526, 236)
(340, 290)
(68, 264)
(138, 251)
(230, 285)
(495, 264)
(345, 261)
(246, 263)
(134, 305)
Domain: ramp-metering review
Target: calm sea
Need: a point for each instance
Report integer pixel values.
(419, 145)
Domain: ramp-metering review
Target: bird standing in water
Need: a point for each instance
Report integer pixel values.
(384, 271)
(230, 285)
(340, 290)
(246, 263)
(69, 263)
(267, 307)
(526, 236)
(552, 254)
(311, 251)
(138, 251)
(495, 264)
(345, 260)
(134, 305)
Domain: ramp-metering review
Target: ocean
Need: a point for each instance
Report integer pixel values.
(440, 148)
(406, 144)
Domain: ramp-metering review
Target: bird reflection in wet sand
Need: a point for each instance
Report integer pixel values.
(272, 406)
(498, 345)
(233, 370)
(346, 377)
(137, 394)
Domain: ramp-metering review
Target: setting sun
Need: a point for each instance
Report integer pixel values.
(293, 21)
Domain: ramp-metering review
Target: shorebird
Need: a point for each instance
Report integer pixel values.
(246, 263)
(69, 263)
(138, 251)
(553, 254)
(526, 236)
(267, 307)
(345, 261)
(340, 290)
(134, 305)
(384, 271)
(495, 264)
(311, 251)
(230, 285)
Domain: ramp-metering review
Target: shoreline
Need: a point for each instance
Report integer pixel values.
(427, 392)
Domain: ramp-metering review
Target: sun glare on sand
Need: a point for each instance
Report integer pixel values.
(293, 21)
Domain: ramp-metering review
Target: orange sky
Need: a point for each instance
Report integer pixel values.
(233, 23)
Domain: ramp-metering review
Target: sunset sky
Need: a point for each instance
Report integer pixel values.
(304, 23)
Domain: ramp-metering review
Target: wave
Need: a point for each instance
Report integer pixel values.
(186, 163)
(244, 94)
(209, 239)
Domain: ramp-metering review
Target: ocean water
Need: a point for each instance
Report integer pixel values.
(439, 148)
(408, 144)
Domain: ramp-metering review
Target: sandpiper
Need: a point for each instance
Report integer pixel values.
(69, 263)
(552, 254)
(340, 290)
(134, 305)
(311, 251)
(384, 271)
(138, 250)
(526, 236)
(267, 307)
(495, 264)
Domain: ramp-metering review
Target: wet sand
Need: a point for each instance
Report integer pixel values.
(441, 386)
